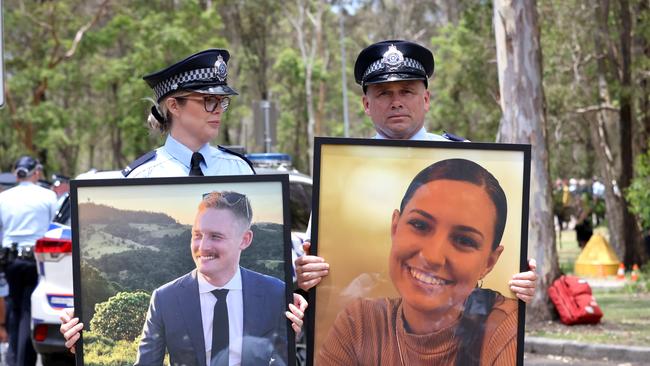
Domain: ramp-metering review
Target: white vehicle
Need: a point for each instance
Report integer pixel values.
(53, 293)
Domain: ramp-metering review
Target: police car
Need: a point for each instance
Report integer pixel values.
(53, 254)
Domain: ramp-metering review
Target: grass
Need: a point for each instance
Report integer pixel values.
(626, 322)
(626, 310)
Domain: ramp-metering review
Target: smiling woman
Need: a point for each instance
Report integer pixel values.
(445, 238)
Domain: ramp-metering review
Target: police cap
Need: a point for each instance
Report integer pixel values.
(393, 60)
(204, 72)
(25, 166)
(59, 179)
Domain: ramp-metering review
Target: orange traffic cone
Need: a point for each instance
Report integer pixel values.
(635, 273)
(620, 274)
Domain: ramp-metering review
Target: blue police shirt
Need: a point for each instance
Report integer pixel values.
(26, 211)
(173, 159)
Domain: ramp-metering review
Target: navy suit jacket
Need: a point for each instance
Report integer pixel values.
(174, 323)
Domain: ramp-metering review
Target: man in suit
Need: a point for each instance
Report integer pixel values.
(220, 313)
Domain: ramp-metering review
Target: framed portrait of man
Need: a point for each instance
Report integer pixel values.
(188, 270)
(422, 238)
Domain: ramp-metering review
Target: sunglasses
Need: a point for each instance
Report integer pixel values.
(232, 199)
(211, 102)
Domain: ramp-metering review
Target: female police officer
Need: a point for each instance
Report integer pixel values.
(191, 96)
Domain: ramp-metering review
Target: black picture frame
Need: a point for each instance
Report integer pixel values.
(121, 227)
(352, 178)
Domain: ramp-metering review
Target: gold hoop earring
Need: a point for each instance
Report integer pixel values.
(480, 283)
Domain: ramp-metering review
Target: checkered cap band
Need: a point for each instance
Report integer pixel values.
(379, 65)
(177, 81)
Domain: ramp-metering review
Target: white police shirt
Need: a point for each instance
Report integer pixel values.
(173, 160)
(421, 135)
(26, 211)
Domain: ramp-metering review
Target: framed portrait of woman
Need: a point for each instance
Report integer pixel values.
(186, 270)
(422, 238)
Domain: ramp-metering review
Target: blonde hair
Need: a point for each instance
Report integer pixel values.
(165, 125)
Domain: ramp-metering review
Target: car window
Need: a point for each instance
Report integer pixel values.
(63, 213)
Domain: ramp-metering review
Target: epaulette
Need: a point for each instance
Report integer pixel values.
(452, 137)
(241, 156)
(137, 162)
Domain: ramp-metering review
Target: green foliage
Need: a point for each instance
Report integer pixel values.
(638, 193)
(122, 316)
(86, 108)
(104, 351)
(95, 290)
(465, 87)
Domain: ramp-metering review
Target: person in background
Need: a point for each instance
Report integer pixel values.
(26, 211)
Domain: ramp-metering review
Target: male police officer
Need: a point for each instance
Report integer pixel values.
(25, 214)
(394, 76)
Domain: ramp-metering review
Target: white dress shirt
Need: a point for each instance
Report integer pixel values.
(235, 302)
(26, 211)
(173, 160)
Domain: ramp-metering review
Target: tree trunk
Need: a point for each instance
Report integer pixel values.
(308, 49)
(633, 249)
(524, 121)
(622, 225)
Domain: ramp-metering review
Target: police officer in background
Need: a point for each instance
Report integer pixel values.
(26, 211)
(395, 76)
(191, 97)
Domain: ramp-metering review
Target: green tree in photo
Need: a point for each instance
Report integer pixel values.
(122, 316)
(95, 290)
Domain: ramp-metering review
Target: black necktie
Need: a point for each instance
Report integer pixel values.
(220, 327)
(195, 165)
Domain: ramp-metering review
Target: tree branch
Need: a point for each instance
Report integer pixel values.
(597, 108)
(82, 30)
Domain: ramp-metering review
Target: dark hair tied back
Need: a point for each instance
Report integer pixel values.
(465, 171)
